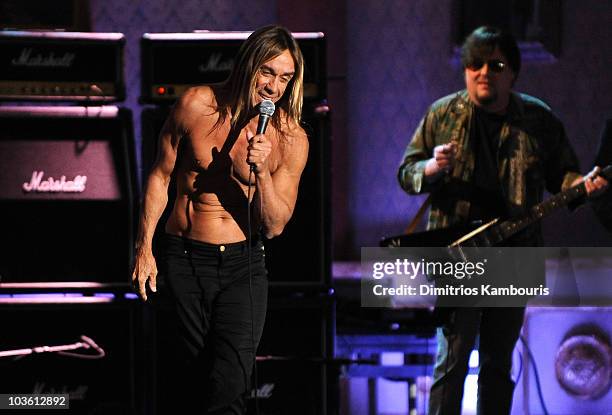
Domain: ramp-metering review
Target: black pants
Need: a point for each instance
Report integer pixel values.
(499, 329)
(217, 326)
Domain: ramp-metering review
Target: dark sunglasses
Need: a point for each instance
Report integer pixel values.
(494, 65)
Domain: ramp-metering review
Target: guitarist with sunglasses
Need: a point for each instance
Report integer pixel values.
(487, 152)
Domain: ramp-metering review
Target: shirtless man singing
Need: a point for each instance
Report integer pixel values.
(225, 172)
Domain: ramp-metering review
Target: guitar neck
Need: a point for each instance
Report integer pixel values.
(511, 227)
(493, 232)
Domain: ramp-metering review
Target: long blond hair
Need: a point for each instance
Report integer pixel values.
(262, 45)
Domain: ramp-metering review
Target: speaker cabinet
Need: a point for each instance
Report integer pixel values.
(301, 255)
(66, 194)
(294, 375)
(96, 386)
(571, 349)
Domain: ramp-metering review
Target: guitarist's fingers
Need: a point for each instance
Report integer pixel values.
(600, 183)
(452, 148)
(594, 184)
(444, 164)
(591, 187)
(446, 149)
(443, 157)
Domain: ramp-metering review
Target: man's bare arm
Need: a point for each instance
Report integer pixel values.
(277, 193)
(156, 196)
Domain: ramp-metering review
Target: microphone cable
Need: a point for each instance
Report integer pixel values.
(249, 253)
(266, 110)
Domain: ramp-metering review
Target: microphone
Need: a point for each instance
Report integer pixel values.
(266, 110)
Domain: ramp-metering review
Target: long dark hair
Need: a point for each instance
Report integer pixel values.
(262, 45)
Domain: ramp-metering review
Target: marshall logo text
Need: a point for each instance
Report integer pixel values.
(263, 392)
(30, 59)
(51, 185)
(215, 63)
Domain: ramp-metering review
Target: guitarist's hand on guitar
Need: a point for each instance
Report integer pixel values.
(594, 183)
(442, 160)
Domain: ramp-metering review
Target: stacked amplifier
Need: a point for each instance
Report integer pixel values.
(68, 194)
(68, 188)
(299, 327)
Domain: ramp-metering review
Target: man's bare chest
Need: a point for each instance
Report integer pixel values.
(222, 156)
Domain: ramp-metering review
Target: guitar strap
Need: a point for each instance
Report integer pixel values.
(419, 215)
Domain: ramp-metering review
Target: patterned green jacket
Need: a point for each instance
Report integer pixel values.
(533, 154)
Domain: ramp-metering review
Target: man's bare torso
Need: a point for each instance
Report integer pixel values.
(212, 176)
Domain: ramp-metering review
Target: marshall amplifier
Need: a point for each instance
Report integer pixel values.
(61, 66)
(173, 62)
(66, 194)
